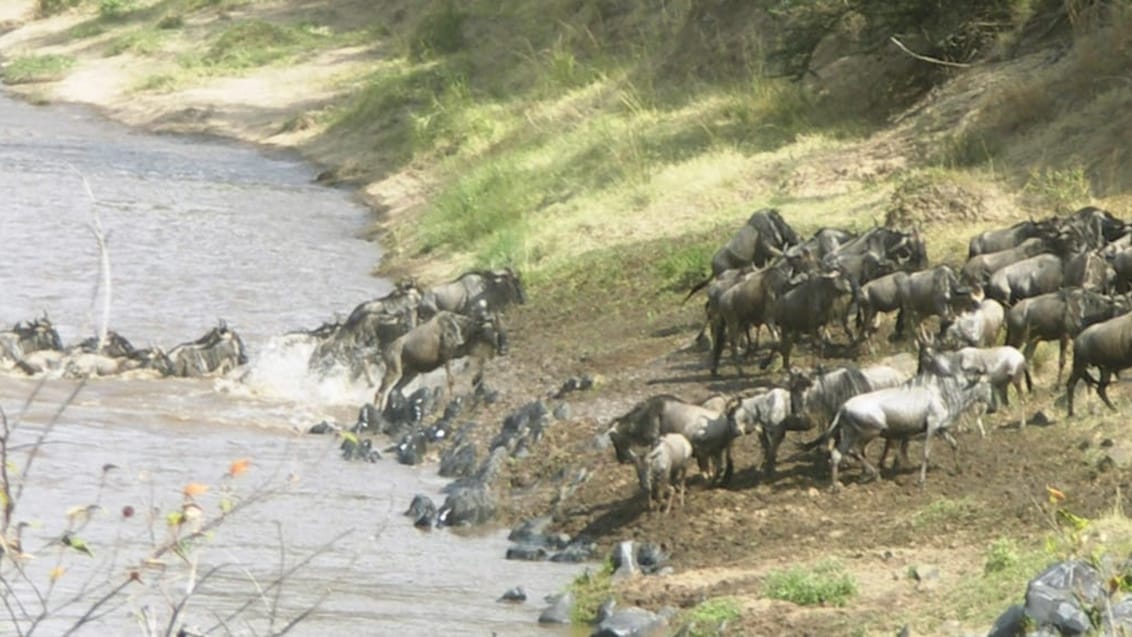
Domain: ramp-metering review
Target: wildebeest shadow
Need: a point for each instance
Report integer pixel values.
(616, 516)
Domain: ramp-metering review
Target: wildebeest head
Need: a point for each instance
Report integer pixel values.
(621, 445)
(115, 345)
(504, 288)
(37, 334)
(153, 358)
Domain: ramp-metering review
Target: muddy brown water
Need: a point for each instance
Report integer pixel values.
(199, 231)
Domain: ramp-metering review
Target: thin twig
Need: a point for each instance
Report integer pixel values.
(925, 58)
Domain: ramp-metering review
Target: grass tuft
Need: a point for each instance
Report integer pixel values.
(37, 68)
(591, 590)
(709, 617)
(825, 583)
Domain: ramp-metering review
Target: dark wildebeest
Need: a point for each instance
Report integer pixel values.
(1027, 278)
(1059, 316)
(370, 326)
(1006, 238)
(475, 291)
(824, 242)
(27, 337)
(765, 236)
(927, 404)
(219, 351)
(436, 343)
(1097, 227)
(806, 309)
(705, 425)
(1106, 346)
(745, 304)
(979, 268)
(1088, 270)
(1122, 266)
(926, 293)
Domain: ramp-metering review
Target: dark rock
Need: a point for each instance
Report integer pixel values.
(578, 551)
(322, 428)
(559, 611)
(526, 423)
(650, 558)
(423, 511)
(1041, 419)
(369, 419)
(562, 411)
(458, 461)
(470, 505)
(527, 552)
(631, 622)
(532, 531)
(412, 448)
(354, 449)
(515, 595)
(1009, 624)
(1061, 596)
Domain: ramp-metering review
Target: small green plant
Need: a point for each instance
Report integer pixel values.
(158, 82)
(37, 68)
(591, 590)
(710, 616)
(824, 583)
(945, 510)
(686, 266)
(114, 9)
(46, 8)
(140, 42)
(1002, 554)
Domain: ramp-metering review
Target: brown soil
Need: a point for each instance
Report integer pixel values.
(726, 539)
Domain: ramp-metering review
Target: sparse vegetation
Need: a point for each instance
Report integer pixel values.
(711, 617)
(36, 68)
(946, 511)
(591, 590)
(825, 583)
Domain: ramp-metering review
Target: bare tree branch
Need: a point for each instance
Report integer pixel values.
(925, 58)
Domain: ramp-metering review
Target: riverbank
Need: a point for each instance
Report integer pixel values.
(637, 195)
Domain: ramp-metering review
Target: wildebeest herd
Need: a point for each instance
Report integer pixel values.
(1064, 278)
(408, 332)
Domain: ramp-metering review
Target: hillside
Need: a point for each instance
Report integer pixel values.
(606, 149)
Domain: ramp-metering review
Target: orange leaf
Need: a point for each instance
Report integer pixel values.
(1055, 495)
(193, 489)
(239, 466)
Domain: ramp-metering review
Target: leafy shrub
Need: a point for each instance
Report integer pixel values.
(824, 583)
(113, 9)
(708, 616)
(1001, 555)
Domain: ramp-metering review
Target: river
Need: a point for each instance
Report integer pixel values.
(198, 231)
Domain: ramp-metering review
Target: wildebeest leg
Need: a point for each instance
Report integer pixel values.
(1021, 401)
(718, 329)
(770, 442)
(682, 482)
(448, 376)
(1061, 355)
(1074, 376)
(1102, 387)
(729, 467)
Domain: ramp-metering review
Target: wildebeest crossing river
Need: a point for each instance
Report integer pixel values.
(200, 231)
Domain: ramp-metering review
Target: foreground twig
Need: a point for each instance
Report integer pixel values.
(925, 58)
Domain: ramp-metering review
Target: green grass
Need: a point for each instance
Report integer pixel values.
(945, 511)
(826, 583)
(37, 68)
(708, 618)
(144, 41)
(591, 590)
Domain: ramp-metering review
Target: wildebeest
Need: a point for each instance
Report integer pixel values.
(975, 327)
(1000, 366)
(745, 304)
(1006, 238)
(979, 268)
(806, 309)
(704, 425)
(926, 293)
(765, 236)
(1059, 316)
(219, 351)
(490, 290)
(1089, 270)
(1096, 226)
(1024, 279)
(664, 472)
(1106, 346)
(927, 404)
(436, 343)
(26, 337)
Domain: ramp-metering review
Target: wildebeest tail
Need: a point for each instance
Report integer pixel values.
(1029, 381)
(696, 288)
(825, 437)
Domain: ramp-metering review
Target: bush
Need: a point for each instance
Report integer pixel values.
(825, 583)
(113, 9)
(46, 8)
(709, 616)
